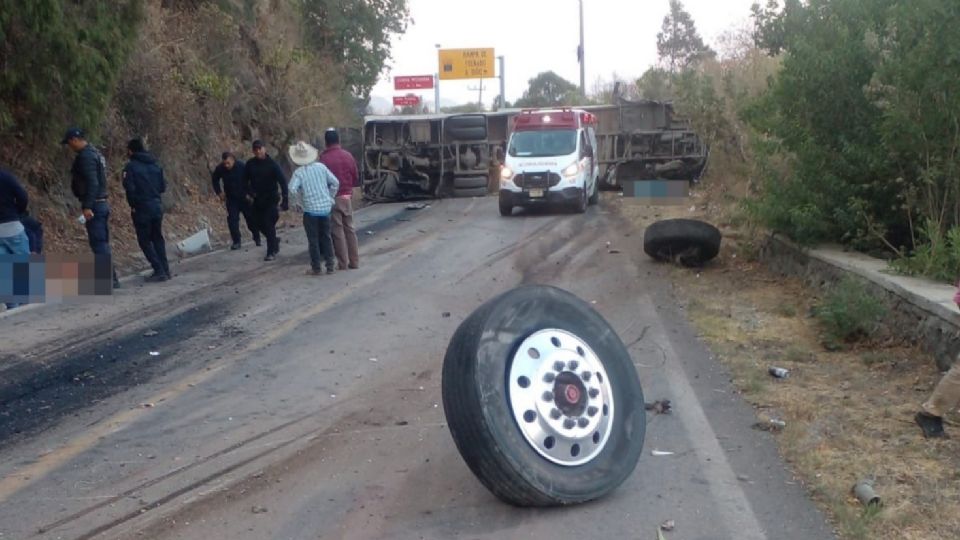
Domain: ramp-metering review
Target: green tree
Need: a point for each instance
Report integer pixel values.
(549, 90)
(356, 34)
(60, 61)
(773, 23)
(655, 84)
(678, 42)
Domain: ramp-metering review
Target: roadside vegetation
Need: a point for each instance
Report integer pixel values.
(828, 121)
(193, 77)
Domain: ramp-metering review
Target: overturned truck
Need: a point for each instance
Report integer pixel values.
(445, 155)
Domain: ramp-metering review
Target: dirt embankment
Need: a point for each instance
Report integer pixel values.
(204, 77)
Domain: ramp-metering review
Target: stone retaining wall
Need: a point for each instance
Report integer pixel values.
(911, 316)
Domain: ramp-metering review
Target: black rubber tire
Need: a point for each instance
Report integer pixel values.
(470, 182)
(580, 205)
(476, 401)
(472, 192)
(468, 127)
(506, 209)
(595, 197)
(690, 241)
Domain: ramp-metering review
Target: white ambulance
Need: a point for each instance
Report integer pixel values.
(550, 160)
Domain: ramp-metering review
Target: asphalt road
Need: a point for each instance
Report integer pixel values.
(281, 405)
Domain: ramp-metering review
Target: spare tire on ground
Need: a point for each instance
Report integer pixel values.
(687, 241)
(542, 399)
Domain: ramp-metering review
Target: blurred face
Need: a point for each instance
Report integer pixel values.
(76, 144)
(229, 162)
(260, 153)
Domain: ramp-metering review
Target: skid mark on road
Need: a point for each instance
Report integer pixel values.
(39, 469)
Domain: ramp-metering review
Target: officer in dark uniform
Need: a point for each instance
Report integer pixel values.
(144, 183)
(89, 185)
(267, 184)
(234, 194)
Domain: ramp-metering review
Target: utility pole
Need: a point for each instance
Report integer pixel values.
(436, 84)
(480, 89)
(581, 57)
(503, 85)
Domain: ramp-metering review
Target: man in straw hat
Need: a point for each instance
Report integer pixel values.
(314, 188)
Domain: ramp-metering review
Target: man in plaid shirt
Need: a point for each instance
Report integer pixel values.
(314, 187)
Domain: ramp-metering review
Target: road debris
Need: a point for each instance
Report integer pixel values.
(150, 333)
(402, 423)
(148, 405)
(779, 372)
(661, 453)
(374, 360)
(417, 206)
(445, 314)
(668, 525)
(613, 251)
(154, 353)
(773, 425)
(258, 510)
(864, 492)
(660, 406)
(369, 233)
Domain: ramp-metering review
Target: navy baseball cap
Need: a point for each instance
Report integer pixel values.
(72, 133)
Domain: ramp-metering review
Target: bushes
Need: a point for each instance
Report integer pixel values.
(866, 115)
(849, 312)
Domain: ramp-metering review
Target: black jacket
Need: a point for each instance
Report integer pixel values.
(89, 176)
(143, 181)
(233, 180)
(13, 198)
(262, 176)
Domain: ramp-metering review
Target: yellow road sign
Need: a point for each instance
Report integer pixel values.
(466, 64)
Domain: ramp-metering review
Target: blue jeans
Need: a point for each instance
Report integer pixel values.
(15, 245)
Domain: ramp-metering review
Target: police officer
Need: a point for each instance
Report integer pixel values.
(233, 193)
(266, 183)
(89, 185)
(144, 183)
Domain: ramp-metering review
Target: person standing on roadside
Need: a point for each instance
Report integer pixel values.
(344, 167)
(89, 185)
(945, 397)
(13, 203)
(144, 183)
(314, 187)
(262, 178)
(233, 193)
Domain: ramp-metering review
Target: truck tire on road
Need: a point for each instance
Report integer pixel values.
(595, 197)
(470, 182)
(689, 241)
(542, 399)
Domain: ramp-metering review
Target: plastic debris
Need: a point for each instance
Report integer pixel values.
(661, 453)
(150, 333)
(154, 353)
(258, 510)
(779, 372)
(661, 406)
(668, 525)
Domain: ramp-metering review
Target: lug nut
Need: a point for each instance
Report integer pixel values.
(582, 422)
(569, 423)
(549, 377)
(594, 393)
(558, 366)
(586, 376)
(592, 411)
(548, 396)
(555, 414)
(573, 364)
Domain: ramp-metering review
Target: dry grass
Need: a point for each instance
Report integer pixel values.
(848, 413)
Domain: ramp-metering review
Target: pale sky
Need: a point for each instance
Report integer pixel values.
(539, 35)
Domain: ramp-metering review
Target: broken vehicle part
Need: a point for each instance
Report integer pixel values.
(687, 241)
(542, 399)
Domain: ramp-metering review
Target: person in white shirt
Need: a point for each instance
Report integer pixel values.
(314, 187)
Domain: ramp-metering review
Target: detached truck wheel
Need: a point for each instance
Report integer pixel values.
(689, 241)
(542, 399)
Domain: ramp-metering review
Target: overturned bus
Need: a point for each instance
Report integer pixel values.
(460, 155)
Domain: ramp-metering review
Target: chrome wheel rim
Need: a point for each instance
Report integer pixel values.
(560, 397)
